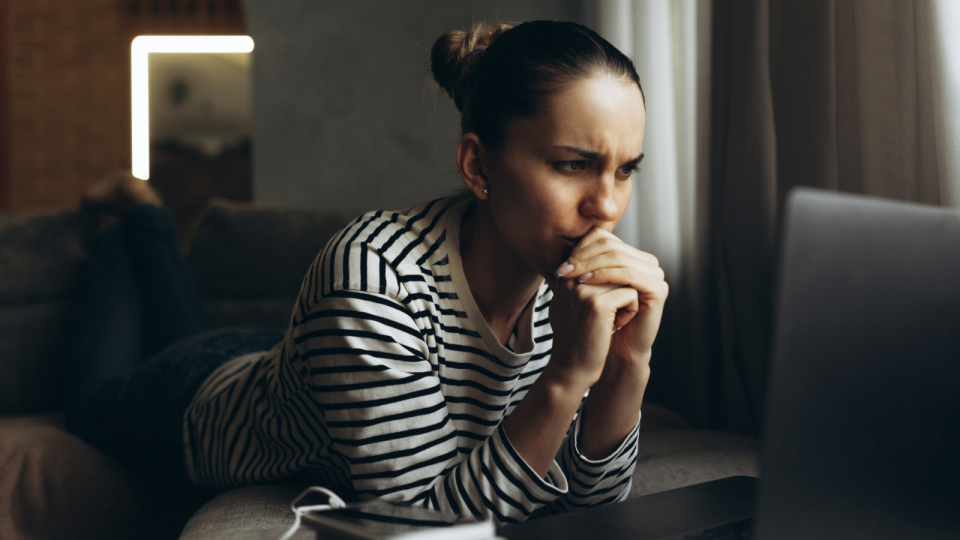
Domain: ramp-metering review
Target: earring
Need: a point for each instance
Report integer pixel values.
(486, 191)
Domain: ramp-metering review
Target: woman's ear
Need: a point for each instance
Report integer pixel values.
(471, 157)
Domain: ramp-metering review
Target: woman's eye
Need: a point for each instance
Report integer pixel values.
(628, 170)
(571, 166)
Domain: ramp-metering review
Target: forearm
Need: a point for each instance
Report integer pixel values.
(613, 406)
(537, 426)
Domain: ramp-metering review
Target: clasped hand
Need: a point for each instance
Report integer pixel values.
(607, 304)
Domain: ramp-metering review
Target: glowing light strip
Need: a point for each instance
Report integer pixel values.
(140, 51)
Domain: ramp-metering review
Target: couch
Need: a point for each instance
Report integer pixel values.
(248, 261)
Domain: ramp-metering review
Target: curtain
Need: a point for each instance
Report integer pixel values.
(942, 18)
(846, 95)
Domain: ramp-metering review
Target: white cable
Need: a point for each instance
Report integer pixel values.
(332, 502)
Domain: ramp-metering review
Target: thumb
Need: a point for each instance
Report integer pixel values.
(624, 316)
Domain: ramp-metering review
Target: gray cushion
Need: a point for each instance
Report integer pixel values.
(43, 262)
(247, 513)
(272, 312)
(43, 256)
(240, 250)
(248, 260)
(35, 349)
(54, 486)
(674, 459)
(666, 460)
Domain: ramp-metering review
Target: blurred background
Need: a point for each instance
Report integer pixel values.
(335, 110)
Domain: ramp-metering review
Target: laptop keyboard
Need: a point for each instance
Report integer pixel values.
(738, 530)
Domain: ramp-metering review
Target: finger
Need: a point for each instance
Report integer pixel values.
(590, 246)
(594, 289)
(604, 243)
(624, 303)
(583, 271)
(623, 318)
(592, 236)
(650, 288)
(610, 243)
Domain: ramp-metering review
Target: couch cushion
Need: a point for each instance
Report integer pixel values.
(33, 366)
(248, 260)
(238, 250)
(666, 460)
(43, 261)
(272, 312)
(43, 256)
(53, 486)
(247, 513)
(674, 459)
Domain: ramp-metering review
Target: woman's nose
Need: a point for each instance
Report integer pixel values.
(601, 201)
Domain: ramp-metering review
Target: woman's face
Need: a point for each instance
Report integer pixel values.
(567, 170)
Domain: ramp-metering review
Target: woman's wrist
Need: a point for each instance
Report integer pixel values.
(562, 376)
(537, 426)
(613, 406)
(632, 365)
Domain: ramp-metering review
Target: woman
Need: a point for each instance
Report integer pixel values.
(435, 355)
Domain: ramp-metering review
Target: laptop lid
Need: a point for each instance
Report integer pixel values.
(862, 434)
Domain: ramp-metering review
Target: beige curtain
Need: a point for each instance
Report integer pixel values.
(836, 94)
(851, 83)
(746, 100)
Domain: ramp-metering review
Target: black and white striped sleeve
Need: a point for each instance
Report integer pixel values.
(373, 371)
(595, 482)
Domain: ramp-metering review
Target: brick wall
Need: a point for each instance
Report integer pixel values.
(65, 98)
(4, 113)
(65, 92)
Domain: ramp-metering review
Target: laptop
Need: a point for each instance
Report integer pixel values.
(862, 429)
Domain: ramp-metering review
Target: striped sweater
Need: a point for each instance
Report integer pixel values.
(390, 384)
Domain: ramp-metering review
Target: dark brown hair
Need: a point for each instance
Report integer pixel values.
(496, 73)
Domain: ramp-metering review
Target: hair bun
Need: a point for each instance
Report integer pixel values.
(454, 53)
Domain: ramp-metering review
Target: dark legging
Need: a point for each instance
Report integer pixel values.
(143, 346)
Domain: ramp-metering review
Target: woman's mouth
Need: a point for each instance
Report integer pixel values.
(573, 240)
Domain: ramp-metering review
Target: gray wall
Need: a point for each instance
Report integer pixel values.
(345, 115)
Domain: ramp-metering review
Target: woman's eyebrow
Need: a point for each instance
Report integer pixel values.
(635, 161)
(589, 154)
(598, 156)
